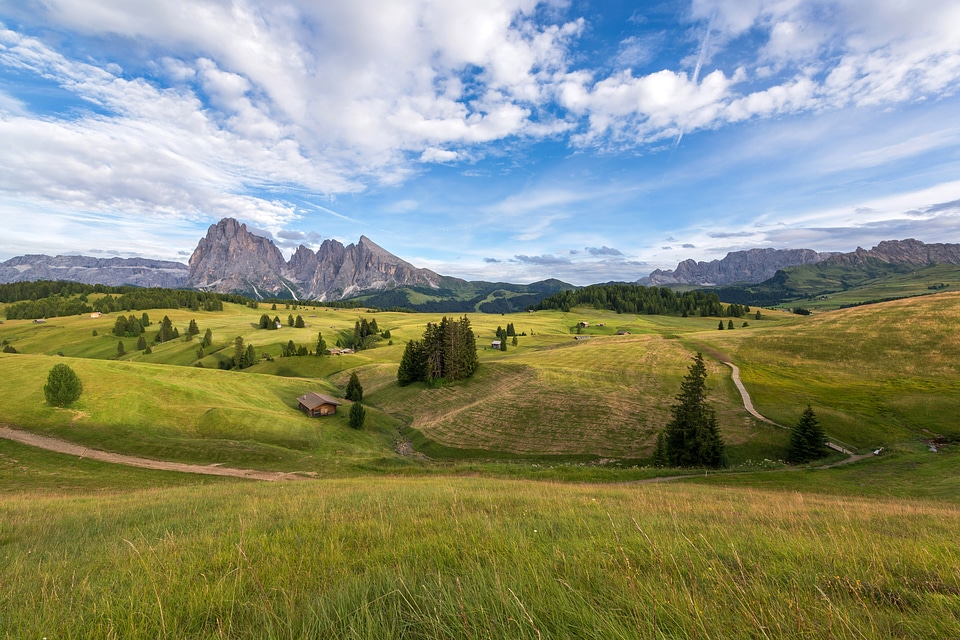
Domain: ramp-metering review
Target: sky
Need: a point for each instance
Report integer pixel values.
(504, 140)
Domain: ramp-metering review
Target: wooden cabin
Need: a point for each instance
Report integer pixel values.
(317, 404)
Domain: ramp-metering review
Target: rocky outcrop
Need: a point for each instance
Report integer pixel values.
(915, 253)
(755, 265)
(114, 272)
(230, 259)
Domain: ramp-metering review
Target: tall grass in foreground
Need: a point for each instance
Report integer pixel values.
(476, 558)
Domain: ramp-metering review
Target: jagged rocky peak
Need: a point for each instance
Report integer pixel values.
(231, 258)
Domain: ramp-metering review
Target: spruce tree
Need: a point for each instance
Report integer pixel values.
(193, 329)
(120, 350)
(321, 344)
(207, 339)
(720, 326)
(354, 391)
(412, 364)
(250, 357)
(357, 416)
(299, 324)
(63, 386)
(729, 324)
(239, 351)
(144, 320)
(660, 457)
(693, 435)
(290, 320)
(807, 440)
(141, 343)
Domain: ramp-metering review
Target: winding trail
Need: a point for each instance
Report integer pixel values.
(748, 405)
(62, 446)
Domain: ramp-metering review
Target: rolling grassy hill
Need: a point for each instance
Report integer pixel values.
(868, 550)
(549, 398)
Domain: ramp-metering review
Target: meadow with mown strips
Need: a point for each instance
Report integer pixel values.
(521, 502)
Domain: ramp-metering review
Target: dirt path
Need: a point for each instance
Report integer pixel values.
(747, 402)
(748, 405)
(62, 446)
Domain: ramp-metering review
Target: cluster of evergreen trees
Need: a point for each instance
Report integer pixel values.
(365, 333)
(448, 351)
(631, 298)
(130, 326)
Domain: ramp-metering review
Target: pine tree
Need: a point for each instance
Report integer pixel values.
(299, 323)
(729, 324)
(207, 339)
(63, 386)
(239, 351)
(693, 435)
(354, 391)
(144, 320)
(720, 326)
(514, 341)
(166, 330)
(807, 439)
(357, 416)
(250, 357)
(120, 350)
(265, 322)
(412, 364)
(141, 344)
(290, 320)
(193, 329)
(321, 344)
(660, 457)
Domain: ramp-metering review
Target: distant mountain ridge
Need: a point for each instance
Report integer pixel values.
(140, 272)
(759, 265)
(755, 265)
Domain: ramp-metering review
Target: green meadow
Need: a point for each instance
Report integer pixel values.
(519, 503)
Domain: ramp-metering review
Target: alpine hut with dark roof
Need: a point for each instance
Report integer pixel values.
(317, 404)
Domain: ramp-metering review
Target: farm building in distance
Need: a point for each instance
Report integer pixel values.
(317, 404)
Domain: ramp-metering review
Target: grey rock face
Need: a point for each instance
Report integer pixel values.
(755, 265)
(114, 272)
(914, 252)
(231, 259)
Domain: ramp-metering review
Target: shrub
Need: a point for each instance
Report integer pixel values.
(63, 386)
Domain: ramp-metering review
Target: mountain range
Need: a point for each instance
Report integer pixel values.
(232, 259)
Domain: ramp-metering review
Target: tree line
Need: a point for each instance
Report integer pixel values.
(632, 298)
(56, 298)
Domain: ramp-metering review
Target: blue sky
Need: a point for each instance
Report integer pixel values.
(505, 140)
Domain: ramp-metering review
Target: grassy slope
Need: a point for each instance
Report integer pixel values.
(875, 375)
(476, 558)
(551, 396)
